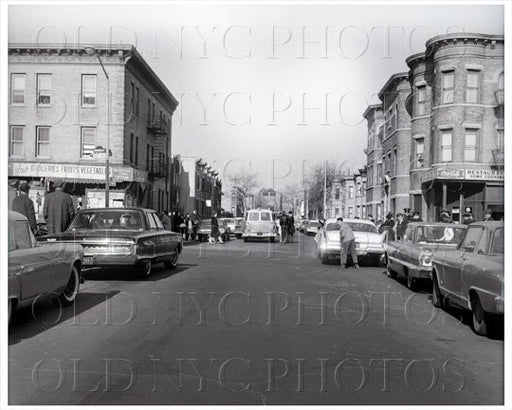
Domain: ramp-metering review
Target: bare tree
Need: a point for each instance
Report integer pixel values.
(244, 183)
(315, 187)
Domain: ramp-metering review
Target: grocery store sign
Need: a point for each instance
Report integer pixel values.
(74, 171)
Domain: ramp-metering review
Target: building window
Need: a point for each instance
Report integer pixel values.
(395, 160)
(89, 89)
(448, 84)
(337, 193)
(472, 86)
(44, 88)
(16, 143)
(351, 191)
(396, 116)
(470, 145)
(132, 97)
(149, 111)
(17, 88)
(350, 212)
(422, 98)
(131, 146)
(43, 142)
(446, 146)
(336, 211)
(137, 99)
(420, 151)
(136, 150)
(88, 142)
(379, 173)
(147, 156)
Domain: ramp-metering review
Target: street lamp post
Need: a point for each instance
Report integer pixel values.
(91, 51)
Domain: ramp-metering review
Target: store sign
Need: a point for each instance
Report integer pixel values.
(450, 173)
(485, 174)
(75, 171)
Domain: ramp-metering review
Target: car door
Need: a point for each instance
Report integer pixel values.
(165, 238)
(455, 260)
(34, 264)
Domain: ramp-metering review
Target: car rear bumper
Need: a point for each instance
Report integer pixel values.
(259, 235)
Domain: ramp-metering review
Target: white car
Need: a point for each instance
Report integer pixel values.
(259, 224)
(369, 243)
(312, 228)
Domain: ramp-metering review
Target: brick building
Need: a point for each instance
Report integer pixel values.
(375, 120)
(442, 140)
(457, 104)
(395, 143)
(68, 103)
(197, 186)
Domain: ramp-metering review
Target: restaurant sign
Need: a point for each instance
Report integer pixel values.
(485, 174)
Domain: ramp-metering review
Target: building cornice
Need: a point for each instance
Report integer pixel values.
(465, 38)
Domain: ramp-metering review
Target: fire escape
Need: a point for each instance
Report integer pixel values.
(159, 160)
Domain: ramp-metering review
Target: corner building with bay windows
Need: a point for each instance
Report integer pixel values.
(453, 155)
(68, 103)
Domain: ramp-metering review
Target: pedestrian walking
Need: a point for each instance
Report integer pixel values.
(215, 232)
(166, 220)
(284, 227)
(278, 227)
(58, 209)
(401, 226)
(347, 244)
(24, 205)
(187, 227)
(290, 222)
(195, 225)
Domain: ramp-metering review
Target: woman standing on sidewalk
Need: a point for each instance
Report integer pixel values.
(215, 233)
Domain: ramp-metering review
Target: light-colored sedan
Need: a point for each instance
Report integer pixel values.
(471, 277)
(38, 270)
(312, 228)
(369, 243)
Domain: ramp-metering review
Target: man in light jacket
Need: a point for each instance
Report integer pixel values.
(347, 244)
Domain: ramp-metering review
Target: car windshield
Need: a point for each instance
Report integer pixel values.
(109, 219)
(333, 226)
(362, 227)
(229, 221)
(439, 234)
(314, 224)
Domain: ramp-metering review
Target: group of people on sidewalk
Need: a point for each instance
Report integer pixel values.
(58, 209)
(286, 227)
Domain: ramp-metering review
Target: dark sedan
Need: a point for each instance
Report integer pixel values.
(122, 237)
(472, 276)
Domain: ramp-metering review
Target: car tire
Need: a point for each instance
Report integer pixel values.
(146, 267)
(437, 296)
(272, 240)
(238, 236)
(70, 292)
(480, 318)
(173, 262)
(390, 272)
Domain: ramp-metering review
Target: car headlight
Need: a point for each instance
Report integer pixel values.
(426, 259)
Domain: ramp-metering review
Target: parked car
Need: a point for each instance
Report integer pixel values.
(369, 243)
(471, 277)
(411, 257)
(40, 270)
(122, 237)
(238, 227)
(312, 228)
(303, 225)
(259, 224)
(231, 224)
(204, 230)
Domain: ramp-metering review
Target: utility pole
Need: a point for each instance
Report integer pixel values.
(325, 190)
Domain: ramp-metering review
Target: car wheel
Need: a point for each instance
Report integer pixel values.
(238, 236)
(70, 292)
(173, 262)
(390, 272)
(480, 320)
(411, 283)
(437, 297)
(272, 239)
(145, 268)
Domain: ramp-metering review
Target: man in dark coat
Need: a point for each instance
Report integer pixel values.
(488, 215)
(284, 227)
(290, 222)
(401, 226)
(58, 209)
(24, 205)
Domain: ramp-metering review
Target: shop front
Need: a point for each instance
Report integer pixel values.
(85, 183)
(463, 189)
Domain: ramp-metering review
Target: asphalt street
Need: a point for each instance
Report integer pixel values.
(250, 323)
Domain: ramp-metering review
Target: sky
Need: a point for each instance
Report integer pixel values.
(275, 89)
